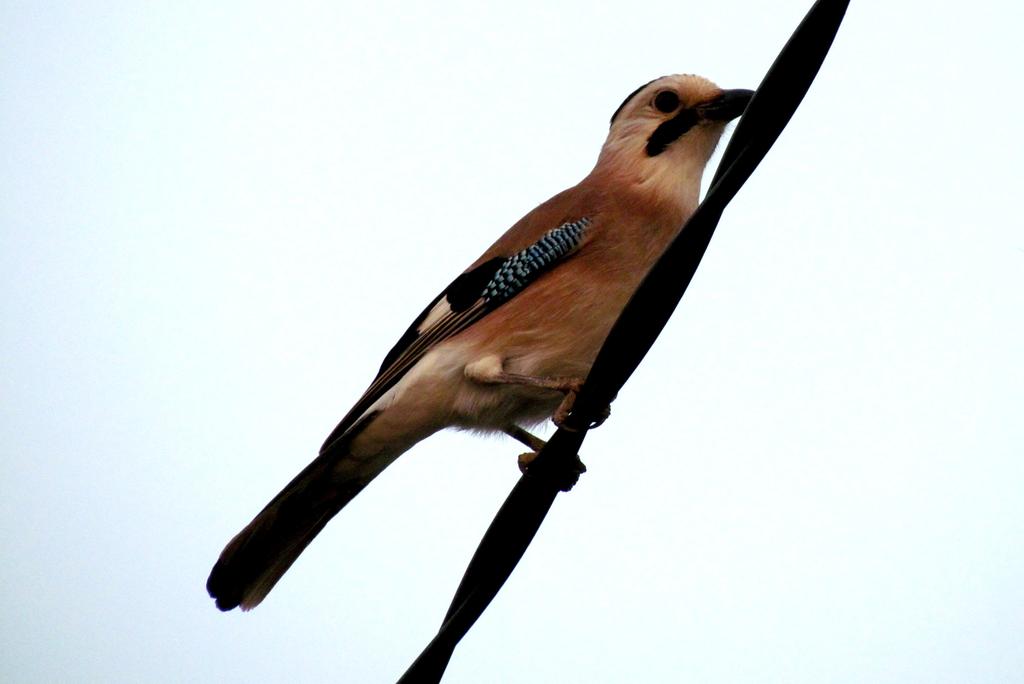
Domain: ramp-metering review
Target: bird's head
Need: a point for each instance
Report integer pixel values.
(663, 134)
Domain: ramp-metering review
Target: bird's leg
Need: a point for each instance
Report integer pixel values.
(563, 410)
(525, 437)
(536, 443)
(488, 370)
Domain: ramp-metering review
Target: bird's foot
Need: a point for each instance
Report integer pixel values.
(567, 479)
(565, 408)
(536, 444)
(489, 371)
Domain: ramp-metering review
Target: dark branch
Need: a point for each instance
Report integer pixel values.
(515, 525)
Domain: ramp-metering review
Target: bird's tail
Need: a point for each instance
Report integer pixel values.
(253, 562)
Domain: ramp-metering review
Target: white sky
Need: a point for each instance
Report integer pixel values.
(214, 221)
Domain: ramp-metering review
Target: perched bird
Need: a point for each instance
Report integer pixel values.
(508, 343)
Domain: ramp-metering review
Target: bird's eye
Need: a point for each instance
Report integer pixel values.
(666, 101)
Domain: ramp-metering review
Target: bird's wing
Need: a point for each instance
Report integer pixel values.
(470, 297)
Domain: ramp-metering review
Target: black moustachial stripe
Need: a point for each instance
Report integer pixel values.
(670, 131)
(520, 269)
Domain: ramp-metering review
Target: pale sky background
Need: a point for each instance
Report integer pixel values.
(216, 218)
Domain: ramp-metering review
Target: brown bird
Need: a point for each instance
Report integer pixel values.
(507, 344)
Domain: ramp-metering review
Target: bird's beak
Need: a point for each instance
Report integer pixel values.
(726, 107)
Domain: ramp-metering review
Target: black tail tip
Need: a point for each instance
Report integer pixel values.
(224, 592)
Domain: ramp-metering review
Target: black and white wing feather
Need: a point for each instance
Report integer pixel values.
(470, 297)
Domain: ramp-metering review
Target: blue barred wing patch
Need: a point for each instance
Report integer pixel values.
(522, 268)
(500, 278)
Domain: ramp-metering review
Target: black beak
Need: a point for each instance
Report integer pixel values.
(726, 107)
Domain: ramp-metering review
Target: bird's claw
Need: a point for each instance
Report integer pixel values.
(568, 478)
(561, 417)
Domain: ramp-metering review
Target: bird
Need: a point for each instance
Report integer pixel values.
(508, 343)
